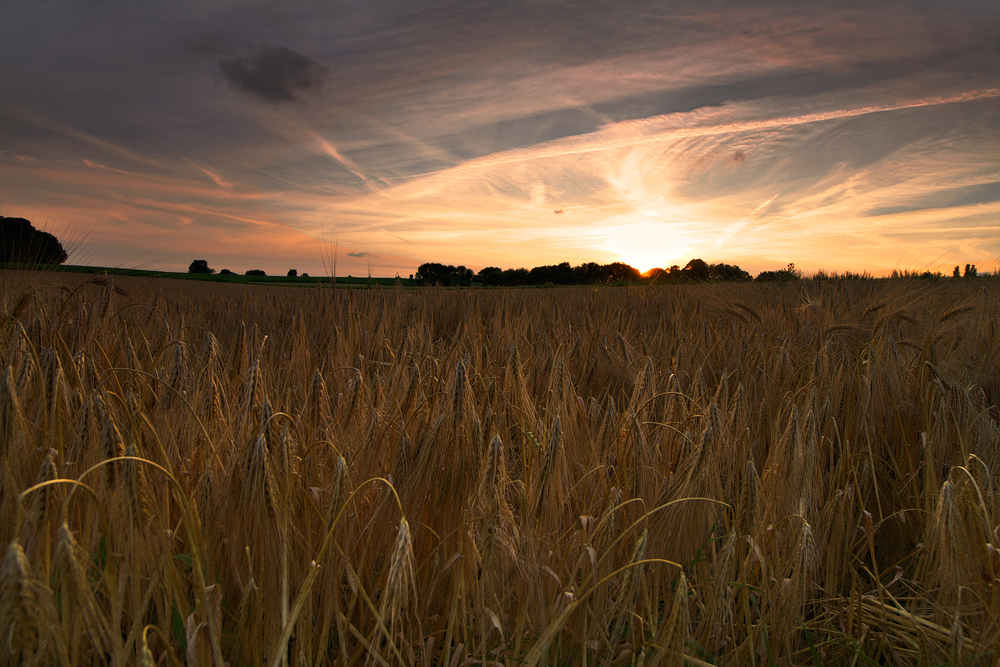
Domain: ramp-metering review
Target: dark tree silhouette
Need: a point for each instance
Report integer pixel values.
(22, 243)
(433, 273)
(781, 276)
(970, 270)
(200, 266)
(490, 276)
(620, 271)
(557, 274)
(255, 272)
(515, 277)
(697, 271)
(589, 273)
(729, 273)
(293, 273)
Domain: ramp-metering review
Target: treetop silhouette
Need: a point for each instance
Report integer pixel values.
(23, 244)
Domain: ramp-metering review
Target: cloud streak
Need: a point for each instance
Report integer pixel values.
(659, 128)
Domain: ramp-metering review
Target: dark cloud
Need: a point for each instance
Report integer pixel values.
(359, 254)
(273, 73)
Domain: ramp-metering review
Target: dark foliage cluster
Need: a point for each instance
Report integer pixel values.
(21, 243)
(200, 266)
(553, 274)
(433, 273)
(589, 273)
(781, 275)
(700, 271)
(592, 273)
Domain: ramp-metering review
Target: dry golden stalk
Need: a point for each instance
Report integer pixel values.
(40, 517)
(250, 624)
(620, 610)
(400, 584)
(317, 404)
(137, 493)
(675, 631)
(19, 608)
(349, 402)
(749, 506)
(950, 540)
(145, 655)
(75, 591)
(112, 445)
(545, 487)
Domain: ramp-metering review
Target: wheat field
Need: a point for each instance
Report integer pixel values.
(721, 474)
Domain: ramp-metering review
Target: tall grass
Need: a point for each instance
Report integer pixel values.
(738, 474)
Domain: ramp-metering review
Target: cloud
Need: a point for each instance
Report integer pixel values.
(985, 193)
(360, 254)
(273, 73)
(221, 182)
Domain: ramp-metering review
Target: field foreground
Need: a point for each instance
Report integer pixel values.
(733, 474)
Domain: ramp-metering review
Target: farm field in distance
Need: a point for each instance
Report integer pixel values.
(203, 473)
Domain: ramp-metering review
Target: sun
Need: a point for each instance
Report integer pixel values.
(646, 245)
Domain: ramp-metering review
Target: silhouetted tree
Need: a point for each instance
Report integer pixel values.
(589, 273)
(620, 271)
(490, 276)
(656, 275)
(970, 270)
(226, 272)
(729, 273)
(22, 243)
(782, 275)
(200, 266)
(956, 273)
(515, 277)
(557, 274)
(697, 271)
(255, 272)
(293, 273)
(433, 273)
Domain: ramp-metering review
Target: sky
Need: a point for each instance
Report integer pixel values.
(369, 137)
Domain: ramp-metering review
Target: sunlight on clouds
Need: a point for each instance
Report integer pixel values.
(645, 245)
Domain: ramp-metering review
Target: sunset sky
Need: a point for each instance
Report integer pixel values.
(383, 134)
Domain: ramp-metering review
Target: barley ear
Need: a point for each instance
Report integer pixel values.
(18, 605)
(671, 653)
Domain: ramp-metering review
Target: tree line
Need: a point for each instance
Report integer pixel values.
(201, 266)
(588, 273)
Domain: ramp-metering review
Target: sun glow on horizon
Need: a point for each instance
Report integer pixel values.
(647, 245)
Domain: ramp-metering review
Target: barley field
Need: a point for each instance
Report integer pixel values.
(722, 474)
